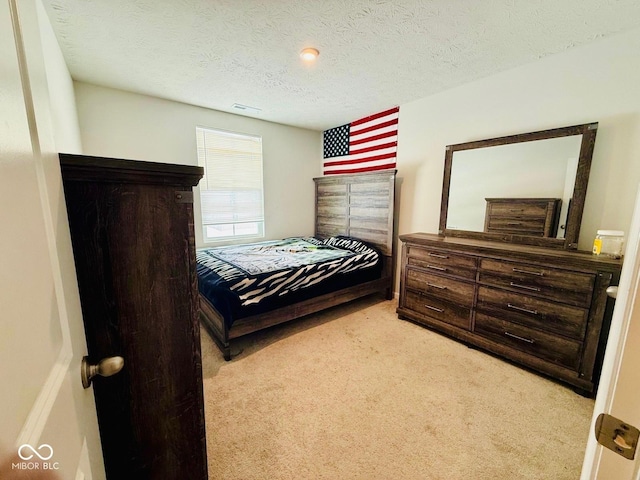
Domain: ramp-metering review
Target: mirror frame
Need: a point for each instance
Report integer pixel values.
(576, 205)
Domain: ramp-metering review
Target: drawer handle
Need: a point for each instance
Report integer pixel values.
(515, 210)
(514, 223)
(528, 272)
(440, 310)
(517, 337)
(526, 287)
(521, 309)
(438, 255)
(440, 287)
(433, 267)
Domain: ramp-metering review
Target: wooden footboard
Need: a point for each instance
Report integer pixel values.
(214, 324)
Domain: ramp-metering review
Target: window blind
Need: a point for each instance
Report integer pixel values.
(231, 191)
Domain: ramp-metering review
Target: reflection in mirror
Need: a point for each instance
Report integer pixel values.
(542, 169)
(528, 188)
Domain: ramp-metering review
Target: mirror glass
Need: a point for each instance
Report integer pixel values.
(540, 169)
(526, 188)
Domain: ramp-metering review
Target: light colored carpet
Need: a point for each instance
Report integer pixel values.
(356, 393)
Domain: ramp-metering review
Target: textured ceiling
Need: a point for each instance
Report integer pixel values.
(373, 54)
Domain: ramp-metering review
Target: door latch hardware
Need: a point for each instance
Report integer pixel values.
(616, 435)
(105, 368)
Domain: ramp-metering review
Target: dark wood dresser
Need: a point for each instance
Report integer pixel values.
(542, 308)
(133, 243)
(537, 217)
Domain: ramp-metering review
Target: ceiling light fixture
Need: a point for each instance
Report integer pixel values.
(309, 54)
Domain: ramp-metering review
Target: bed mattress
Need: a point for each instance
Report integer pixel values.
(244, 280)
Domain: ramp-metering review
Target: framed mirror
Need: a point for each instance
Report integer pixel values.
(528, 188)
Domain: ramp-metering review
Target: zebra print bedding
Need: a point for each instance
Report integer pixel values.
(242, 280)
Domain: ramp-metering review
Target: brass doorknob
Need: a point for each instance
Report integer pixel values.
(105, 368)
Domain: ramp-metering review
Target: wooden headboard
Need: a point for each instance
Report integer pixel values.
(359, 205)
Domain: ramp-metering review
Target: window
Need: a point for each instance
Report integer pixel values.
(231, 190)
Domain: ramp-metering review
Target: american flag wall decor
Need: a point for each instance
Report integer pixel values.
(365, 145)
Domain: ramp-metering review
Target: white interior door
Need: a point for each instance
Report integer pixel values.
(48, 420)
(619, 391)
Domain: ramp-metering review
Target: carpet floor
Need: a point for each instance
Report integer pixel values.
(356, 393)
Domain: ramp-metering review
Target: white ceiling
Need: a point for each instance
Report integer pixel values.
(374, 54)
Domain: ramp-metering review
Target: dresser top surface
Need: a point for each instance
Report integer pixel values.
(484, 247)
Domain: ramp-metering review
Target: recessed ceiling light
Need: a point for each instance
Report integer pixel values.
(309, 54)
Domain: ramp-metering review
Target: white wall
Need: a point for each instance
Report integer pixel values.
(595, 83)
(120, 124)
(64, 116)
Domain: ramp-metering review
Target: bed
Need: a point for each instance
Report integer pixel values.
(247, 288)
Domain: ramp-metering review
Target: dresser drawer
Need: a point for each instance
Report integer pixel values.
(552, 348)
(436, 308)
(442, 262)
(518, 209)
(534, 312)
(526, 226)
(441, 287)
(564, 286)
